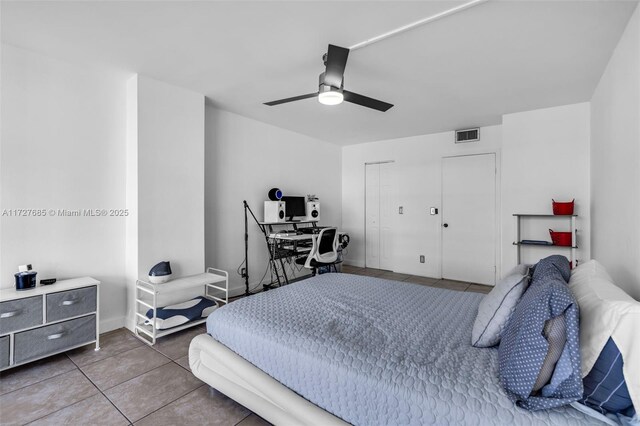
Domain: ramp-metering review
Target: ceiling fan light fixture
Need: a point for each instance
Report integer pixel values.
(332, 97)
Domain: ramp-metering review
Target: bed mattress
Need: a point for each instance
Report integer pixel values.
(376, 352)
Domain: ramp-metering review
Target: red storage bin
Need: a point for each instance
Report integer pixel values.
(560, 238)
(563, 208)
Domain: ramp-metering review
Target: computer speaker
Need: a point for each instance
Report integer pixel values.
(274, 211)
(275, 194)
(313, 210)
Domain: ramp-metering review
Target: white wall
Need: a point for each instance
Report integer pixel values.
(615, 163)
(417, 170)
(165, 180)
(540, 154)
(545, 155)
(63, 147)
(244, 159)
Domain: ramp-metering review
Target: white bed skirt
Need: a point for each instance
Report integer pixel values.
(229, 373)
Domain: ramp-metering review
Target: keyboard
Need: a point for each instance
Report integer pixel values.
(285, 234)
(311, 230)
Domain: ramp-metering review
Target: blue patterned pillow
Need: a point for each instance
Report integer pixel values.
(605, 389)
(523, 347)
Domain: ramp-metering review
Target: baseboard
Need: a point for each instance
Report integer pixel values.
(237, 290)
(355, 263)
(109, 324)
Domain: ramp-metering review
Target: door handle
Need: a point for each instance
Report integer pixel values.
(446, 225)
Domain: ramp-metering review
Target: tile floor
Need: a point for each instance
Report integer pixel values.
(432, 282)
(128, 382)
(125, 382)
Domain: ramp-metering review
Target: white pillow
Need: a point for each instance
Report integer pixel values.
(607, 311)
(496, 308)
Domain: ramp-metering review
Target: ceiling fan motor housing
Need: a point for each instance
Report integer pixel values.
(324, 87)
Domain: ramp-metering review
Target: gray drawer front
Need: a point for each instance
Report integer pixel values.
(4, 351)
(21, 313)
(67, 304)
(53, 338)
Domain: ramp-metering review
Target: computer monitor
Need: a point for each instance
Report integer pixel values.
(295, 206)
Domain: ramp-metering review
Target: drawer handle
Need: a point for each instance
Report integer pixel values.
(69, 302)
(55, 336)
(10, 314)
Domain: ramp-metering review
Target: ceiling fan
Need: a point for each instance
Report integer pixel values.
(331, 84)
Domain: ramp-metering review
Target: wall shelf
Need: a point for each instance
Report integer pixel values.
(545, 215)
(519, 243)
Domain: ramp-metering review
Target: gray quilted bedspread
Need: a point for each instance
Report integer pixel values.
(376, 352)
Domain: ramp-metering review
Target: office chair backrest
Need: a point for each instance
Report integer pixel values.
(327, 246)
(326, 237)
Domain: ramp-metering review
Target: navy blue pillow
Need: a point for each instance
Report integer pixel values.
(605, 389)
(523, 347)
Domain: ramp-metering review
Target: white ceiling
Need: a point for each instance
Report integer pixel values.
(465, 70)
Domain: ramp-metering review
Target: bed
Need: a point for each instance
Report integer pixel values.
(340, 348)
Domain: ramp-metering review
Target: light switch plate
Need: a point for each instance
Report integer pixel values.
(400, 210)
(434, 210)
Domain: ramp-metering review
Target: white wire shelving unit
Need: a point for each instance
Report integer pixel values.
(519, 243)
(214, 284)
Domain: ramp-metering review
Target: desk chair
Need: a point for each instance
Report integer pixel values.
(324, 251)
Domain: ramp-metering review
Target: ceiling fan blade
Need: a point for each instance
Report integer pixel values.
(365, 101)
(295, 98)
(336, 62)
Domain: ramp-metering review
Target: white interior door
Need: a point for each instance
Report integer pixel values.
(386, 218)
(469, 218)
(379, 210)
(372, 216)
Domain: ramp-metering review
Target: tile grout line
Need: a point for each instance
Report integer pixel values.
(105, 396)
(70, 405)
(111, 356)
(103, 392)
(134, 377)
(93, 362)
(39, 381)
(76, 367)
(167, 404)
(244, 418)
(160, 352)
(173, 400)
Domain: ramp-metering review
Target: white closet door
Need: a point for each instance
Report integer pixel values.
(386, 218)
(469, 218)
(372, 216)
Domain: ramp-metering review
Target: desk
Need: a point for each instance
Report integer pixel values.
(279, 246)
(285, 245)
(279, 249)
(282, 237)
(294, 240)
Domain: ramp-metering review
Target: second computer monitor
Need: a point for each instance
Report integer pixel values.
(295, 206)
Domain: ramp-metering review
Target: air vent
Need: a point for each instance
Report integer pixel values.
(468, 135)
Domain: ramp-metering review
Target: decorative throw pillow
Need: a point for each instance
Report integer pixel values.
(524, 349)
(605, 388)
(609, 324)
(497, 307)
